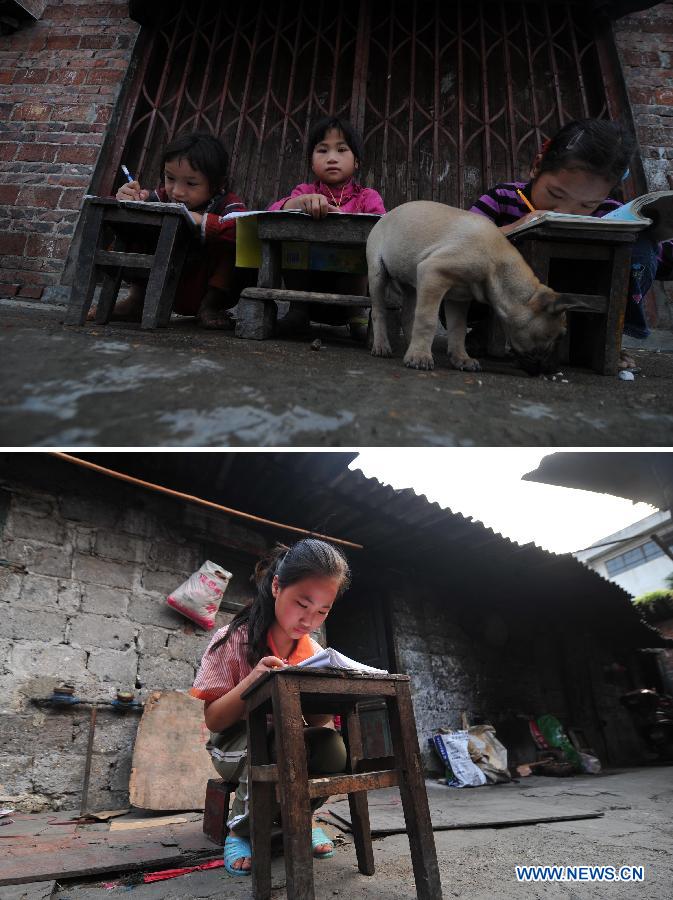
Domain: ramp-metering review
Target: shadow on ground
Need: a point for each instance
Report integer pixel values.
(115, 385)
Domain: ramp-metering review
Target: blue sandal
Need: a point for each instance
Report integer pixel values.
(318, 837)
(236, 848)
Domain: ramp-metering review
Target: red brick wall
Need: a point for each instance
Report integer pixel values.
(645, 45)
(60, 79)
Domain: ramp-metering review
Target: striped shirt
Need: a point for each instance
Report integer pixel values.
(228, 665)
(503, 206)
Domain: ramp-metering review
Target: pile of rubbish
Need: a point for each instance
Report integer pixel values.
(473, 755)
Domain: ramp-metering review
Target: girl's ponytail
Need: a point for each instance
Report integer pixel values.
(308, 558)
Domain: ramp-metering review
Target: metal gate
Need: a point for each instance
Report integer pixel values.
(450, 98)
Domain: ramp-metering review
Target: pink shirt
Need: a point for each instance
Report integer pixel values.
(355, 198)
(222, 670)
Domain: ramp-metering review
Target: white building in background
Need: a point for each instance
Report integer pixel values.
(631, 558)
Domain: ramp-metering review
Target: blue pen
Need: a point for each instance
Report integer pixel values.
(126, 172)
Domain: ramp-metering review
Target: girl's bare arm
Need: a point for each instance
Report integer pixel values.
(229, 709)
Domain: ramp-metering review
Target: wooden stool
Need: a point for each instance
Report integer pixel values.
(286, 694)
(257, 310)
(216, 809)
(167, 224)
(608, 249)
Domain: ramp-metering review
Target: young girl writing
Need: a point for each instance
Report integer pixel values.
(195, 172)
(574, 173)
(335, 154)
(296, 589)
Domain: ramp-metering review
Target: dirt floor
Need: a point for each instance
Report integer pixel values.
(476, 863)
(118, 386)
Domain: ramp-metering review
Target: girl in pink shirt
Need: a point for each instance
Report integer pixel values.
(296, 588)
(335, 154)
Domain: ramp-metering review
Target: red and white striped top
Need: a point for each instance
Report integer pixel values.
(222, 670)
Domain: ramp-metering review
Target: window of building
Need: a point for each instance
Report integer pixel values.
(637, 556)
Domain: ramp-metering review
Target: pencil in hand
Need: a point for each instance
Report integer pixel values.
(526, 200)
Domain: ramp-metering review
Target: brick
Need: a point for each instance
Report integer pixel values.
(71, 112)
(69, 596)
(90, 569)
(46, 560)
(112, 545)
(32, 112)
(162, 582)
(43, 245)
(8, 290)
(12, 243)
(93, 631)
(9, 193)
(148, 610)
(21, 525)
(30, 76)
(71, 198)
(39, 196)
(161, 672)
(62, 41)
(119, 667)
(65, 76)
(59, 661)
(58, 772)
(31, 290)
(72, 154)
(97, 598)
(16, 773)
(37, 153)
(38, 625)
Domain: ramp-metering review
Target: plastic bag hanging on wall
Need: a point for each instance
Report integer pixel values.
(200, 596)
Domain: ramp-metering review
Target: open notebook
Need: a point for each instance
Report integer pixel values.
(653, 210)
(332, 658)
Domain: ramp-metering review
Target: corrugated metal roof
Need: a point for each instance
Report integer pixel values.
(638, 476)
(400, 530)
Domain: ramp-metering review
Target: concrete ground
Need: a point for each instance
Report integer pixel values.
(115, 385)
(476, 864)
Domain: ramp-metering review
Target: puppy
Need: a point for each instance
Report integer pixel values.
(428, 252)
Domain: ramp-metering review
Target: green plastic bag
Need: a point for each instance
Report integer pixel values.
(553, 731)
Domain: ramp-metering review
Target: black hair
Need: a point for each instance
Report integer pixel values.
(352, 137)
(597, 146)
(308, 558)
(205, 153)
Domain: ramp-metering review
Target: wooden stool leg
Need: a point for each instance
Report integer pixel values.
(84, 281)
(357, 801)
(414, 795)
(605, 359)
(163, 277)
(256, 320)
(108, 296)
(293, 783)
(260, 796)
(167, 297)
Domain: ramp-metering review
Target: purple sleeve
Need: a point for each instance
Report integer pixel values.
(372, 202)
(297, 192)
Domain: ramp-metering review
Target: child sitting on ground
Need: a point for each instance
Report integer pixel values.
(335, 154)
(574, 173)
(195, 172)
(296, 588)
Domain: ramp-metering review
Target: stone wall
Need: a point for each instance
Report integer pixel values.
(464, 657)
(83, 582)
(60, 79)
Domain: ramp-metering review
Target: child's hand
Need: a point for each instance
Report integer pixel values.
(314, 204)
(265, 665)
(132, 191)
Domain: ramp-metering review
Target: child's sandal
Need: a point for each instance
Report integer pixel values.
(236, 848)
(318, 838)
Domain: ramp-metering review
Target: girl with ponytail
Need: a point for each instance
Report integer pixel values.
(296, 588)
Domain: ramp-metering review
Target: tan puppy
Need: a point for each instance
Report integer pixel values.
(428, 252)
